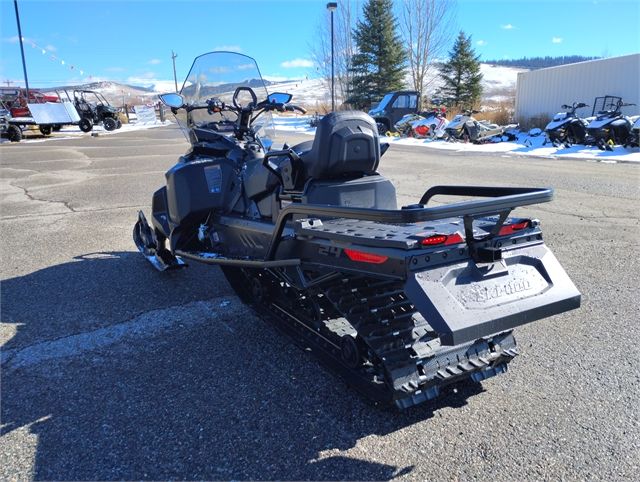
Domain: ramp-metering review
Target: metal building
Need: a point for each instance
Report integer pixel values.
(542, 92)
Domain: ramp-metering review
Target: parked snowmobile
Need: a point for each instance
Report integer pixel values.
(465, 128)
(401, 302)
(428, 125)
(611, 127)
(566, 128)
(634, 138)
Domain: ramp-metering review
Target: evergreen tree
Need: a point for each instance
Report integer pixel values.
(461, 75)
(378, 65)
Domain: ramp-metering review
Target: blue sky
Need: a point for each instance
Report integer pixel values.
(132, 40)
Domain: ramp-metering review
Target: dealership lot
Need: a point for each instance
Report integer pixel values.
(114, 371)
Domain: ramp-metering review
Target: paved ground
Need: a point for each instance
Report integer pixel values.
(114, 371)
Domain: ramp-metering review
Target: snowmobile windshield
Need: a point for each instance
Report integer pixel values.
(217, 75)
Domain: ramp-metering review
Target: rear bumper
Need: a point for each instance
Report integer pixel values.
(464, 302)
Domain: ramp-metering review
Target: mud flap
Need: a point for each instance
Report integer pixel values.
(147, 243)
(466, 301)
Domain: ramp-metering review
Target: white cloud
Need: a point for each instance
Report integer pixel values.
(15, 39)
(507, 27)
(228, 48)
(557, 40)
(481, 43)
(50, 48)
(144, 78)
(296, 63)
(154, 61)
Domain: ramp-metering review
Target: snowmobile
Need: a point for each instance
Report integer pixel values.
(465, 128)
(566, 128)
(427, 125)
(610, 127)
(400, 302)
(634, 138)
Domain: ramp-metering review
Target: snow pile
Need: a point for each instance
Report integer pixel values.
(525, 145)
(73, 131)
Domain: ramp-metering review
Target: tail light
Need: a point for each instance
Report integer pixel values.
(511, 228)
(363, 257)
(444, 239)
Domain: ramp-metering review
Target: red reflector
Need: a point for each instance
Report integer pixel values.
(436, 239)
(365, 257)
(433, 240)
(454, 238)
(510, 228)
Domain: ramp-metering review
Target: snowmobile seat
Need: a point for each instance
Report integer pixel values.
(345, 145)
(338, 166)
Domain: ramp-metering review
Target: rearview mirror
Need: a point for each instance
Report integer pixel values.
(172, 100)
(279, 98)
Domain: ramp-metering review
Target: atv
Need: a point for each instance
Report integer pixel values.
(93, 109)
(7, 129)
(393, 107)
(400, 302)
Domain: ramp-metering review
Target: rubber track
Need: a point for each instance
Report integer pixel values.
(405, 351)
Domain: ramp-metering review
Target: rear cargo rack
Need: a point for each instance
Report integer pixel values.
(503, 200)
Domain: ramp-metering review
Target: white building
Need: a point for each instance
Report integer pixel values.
(542, 92)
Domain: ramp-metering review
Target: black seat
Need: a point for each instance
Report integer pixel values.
(346, 144)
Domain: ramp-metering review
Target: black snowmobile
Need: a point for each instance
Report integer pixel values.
(567, 128)
(610, 127)
(401, 302)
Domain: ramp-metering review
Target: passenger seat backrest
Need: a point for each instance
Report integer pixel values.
(346, 143)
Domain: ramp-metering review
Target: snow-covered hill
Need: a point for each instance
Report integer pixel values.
(115, 92)
(499, 85)
(315, 94)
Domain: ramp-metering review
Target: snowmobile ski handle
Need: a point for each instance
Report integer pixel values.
(502, 199)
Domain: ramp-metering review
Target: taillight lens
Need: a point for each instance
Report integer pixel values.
(363, 257)
(511, 228)
(445, 239)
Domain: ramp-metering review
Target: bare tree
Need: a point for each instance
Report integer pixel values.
(427, 27)
(345, 18)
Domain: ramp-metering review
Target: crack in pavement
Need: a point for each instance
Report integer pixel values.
(50, 201)
(75, 211)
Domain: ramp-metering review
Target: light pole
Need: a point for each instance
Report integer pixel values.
(175, 79)
(331, 6)
(24, 64)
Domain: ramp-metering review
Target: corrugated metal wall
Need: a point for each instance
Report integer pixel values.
(542, 92)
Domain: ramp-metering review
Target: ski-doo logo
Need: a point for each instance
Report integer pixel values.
(482, 294)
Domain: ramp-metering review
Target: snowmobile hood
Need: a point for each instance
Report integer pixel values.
(558, 121)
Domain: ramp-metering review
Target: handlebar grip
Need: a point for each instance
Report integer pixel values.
(293, 108)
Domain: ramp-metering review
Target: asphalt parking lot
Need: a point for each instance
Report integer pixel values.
(111, 370)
